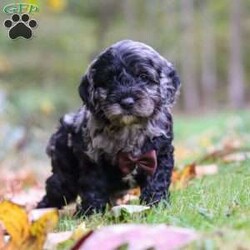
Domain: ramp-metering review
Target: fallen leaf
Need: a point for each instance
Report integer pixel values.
(36, 214)
(128, 209)
(236, 157)
(222, 153)
(180, 178)
(28, 197)
(15, 221)
(136, 236)
(54, 239)
(203, 170)
(2, 242)
(66, 239)
(80, 231)
(25, 235)
(39, 229)
(125, 197)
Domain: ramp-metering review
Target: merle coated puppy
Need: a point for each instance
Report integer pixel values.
(121, 136)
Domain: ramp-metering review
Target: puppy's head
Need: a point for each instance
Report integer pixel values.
(129, 82)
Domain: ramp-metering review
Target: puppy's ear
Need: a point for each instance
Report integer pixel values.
(170, 83)
(85, 91)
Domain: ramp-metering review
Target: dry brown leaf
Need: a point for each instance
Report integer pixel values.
(237, 157)
(25, 235)
(180, 178)
(202, 170)
(131, 195)
(126, 197)
(222, 153)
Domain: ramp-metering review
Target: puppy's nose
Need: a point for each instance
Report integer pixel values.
(127, 103)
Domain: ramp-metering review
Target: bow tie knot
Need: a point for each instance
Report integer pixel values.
(147, 162)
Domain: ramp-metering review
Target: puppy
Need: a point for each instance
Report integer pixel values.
(122, 135)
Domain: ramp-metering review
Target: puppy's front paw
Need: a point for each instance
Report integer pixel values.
(153, 199)
(45, 203)
(87, 210)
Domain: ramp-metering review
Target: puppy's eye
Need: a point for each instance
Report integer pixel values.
(144, 77)
(101, 93)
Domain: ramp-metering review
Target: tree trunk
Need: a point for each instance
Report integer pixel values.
(188, 56)
(208, 77)
(106, 13)
(236, 81)
(130, 16)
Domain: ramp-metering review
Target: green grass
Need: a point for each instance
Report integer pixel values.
(217, 206)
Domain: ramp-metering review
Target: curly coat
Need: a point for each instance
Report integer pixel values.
(128, 92)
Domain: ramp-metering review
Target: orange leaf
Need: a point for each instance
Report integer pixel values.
(180, 178)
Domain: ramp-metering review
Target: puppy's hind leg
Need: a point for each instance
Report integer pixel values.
(61, 186)
(156, 188)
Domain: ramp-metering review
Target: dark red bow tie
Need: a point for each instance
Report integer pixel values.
(147, 162)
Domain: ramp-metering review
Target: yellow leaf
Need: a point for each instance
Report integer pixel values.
(39, 230)
(23, 234)
(15, 221)
(2, 243)
(80, 231)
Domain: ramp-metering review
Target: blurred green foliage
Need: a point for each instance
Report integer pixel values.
(40, 76)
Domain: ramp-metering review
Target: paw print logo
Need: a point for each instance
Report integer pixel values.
(20, 26)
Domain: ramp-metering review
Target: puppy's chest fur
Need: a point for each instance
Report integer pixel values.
(108, 140)
(101, 139)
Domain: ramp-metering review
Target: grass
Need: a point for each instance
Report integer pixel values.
(218, 206)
